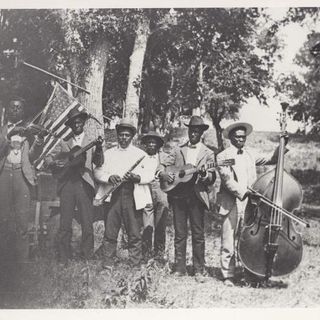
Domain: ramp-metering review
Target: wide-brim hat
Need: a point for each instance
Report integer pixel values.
(196, 121)
(74, 113)
(247, 126)
(152, 134)
(126, 123)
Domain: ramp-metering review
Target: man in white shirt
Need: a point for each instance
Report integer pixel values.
(189, 200)
(132, 195)
(233, 194)
(77, 187)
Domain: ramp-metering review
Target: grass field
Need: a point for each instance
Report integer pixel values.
(45, 284)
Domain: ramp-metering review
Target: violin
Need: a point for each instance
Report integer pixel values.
(269, 244)
(30, 129)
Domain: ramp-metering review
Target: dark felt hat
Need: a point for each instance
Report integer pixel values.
(127, 123)
(196, 121)
(74, 113)
(237, 125)
(152, 134)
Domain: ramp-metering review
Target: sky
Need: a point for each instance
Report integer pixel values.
(264, 118)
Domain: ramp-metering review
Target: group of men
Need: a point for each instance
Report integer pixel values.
(136, 202)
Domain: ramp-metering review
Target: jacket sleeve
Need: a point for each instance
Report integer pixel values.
(98, 157)
(101, 173)
(36, 149)
(52, 155)
(4, 145)
(211, 176)
(228, 179)
(167, 160)
(270, 159)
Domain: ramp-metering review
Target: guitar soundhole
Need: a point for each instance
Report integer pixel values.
(181, 173)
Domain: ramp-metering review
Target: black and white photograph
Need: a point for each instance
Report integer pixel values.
(159, 157)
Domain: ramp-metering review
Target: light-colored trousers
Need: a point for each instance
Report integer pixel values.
(229, 233)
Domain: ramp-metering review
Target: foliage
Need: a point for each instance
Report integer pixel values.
(304, 91)
(32, 31)
(223, 42)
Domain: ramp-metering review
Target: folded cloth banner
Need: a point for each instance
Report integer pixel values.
(53, 118)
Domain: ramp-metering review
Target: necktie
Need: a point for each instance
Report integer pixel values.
(240, 151)
(192, 146)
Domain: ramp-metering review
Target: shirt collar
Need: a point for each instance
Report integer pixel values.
(235, 149)
(194, 146)
(128, 148)
(78, 136)
(155, 156)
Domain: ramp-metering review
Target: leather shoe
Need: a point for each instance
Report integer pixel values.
(179, 274)
(228, 282)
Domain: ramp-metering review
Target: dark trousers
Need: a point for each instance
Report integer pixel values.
(122, 209)
(76, 193)
(184, 208)
(15, 213)
(160, 234)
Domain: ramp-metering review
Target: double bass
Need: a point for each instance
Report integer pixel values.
(269, 243)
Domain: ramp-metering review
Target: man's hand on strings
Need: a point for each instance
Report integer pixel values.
(168, 177)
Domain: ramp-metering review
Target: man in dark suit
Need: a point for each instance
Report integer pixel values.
(18, 150)
(190, 199)
(76, 188)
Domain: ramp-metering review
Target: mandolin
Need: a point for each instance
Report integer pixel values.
(185, 173)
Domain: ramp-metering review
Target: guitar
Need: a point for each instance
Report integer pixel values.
(76, 157)
(185, 173)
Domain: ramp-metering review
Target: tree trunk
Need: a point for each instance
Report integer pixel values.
(219, 134)
(147, 109)
(135, 71)
(94, 83)
(166, 125)
(200, 109)
(156, 119)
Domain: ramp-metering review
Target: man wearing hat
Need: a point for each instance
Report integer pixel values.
(189, 200)
(130, 197)
(18, 150)
(155, 213)
(77, 187)
(233, 194)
